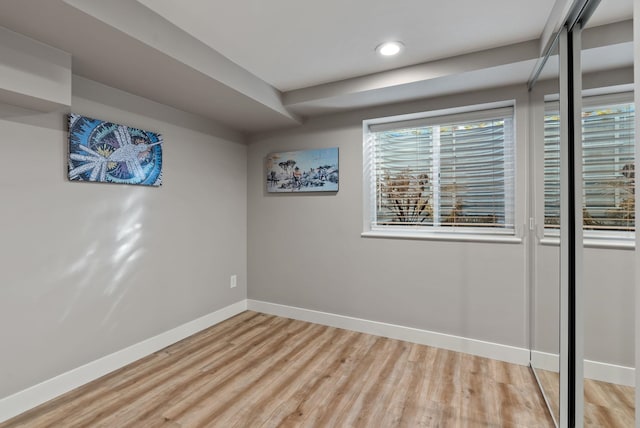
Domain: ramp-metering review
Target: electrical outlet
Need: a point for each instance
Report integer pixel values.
(234, 281)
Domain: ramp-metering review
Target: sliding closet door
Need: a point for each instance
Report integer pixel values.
(556, 348)
(608, 193)
(558, 248)
(586, 198)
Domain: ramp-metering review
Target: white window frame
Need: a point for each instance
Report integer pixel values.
(469, 234)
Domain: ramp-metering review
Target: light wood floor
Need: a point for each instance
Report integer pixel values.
(256, 370)
(606, 405)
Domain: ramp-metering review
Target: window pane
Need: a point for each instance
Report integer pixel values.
(444, 175)
(403, 168)
(472, 174)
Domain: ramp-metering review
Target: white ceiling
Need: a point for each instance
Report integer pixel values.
(255, 65)
(292, 44)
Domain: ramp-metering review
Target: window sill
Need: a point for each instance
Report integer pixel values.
(439, 236)
(612, 243)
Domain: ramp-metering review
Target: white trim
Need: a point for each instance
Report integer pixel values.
(545, 361)
(443, 236)
(480, 348)
(472, 113)
(611, 373)
(594, 370)
(31, 397)
(613, 244)
(465, 109)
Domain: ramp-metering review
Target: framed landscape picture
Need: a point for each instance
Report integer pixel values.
(303, 171)
(106, 152)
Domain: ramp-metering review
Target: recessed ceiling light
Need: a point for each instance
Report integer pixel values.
(389, 48)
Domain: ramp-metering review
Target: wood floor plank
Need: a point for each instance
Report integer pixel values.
(257, 370)
(400, 390)
(224, 381)
(83, 401)
(360, 379)
(266, 377)
(382, 388)
(135, 389)
(309, 404)
(293, 384)
(218, 366)
(414, 405)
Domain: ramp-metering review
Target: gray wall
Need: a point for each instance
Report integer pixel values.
(88, 269)
(306, 250)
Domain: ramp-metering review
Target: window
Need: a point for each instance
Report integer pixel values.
(608, 165)
(451, 173)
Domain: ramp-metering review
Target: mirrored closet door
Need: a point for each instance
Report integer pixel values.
(544, 153)
(583, 186)
(608, 189)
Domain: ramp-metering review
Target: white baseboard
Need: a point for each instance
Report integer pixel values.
(480, 348)
(31, 397)
(611, 373)
(595, 370)
(545, 361)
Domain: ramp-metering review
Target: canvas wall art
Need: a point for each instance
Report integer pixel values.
(110, 153)
(303, 171)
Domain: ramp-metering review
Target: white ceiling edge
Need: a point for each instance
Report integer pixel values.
(146, 26)
(190, 76)
(479, 70)
(418, 81)
(109, 55)
(475, 80)
(126, 103)
(294, 44)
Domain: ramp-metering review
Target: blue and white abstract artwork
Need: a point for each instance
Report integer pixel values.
(303, 171)
(110, 153)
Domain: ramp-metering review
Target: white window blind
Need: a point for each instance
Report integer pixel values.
(608, 164)
(449, 173)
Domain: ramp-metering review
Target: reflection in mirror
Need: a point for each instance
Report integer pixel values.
(545, 273)
(609, 216)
